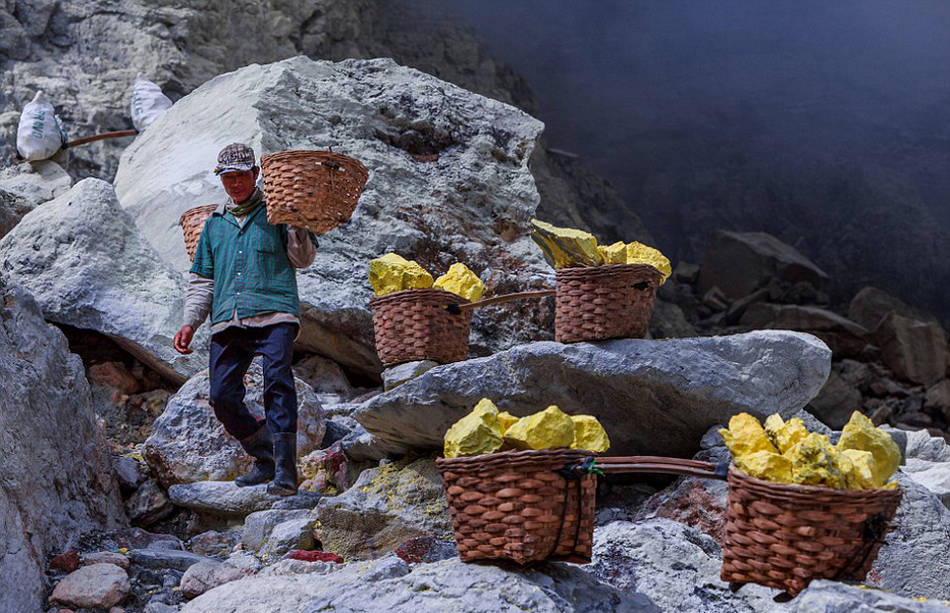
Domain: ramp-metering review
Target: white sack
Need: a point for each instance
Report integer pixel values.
(148, 102)
(40, 133)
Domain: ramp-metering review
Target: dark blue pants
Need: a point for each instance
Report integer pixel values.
(231, 353)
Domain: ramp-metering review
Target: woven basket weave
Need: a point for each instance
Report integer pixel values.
(192, 222)
(415, 325)
(316, 190)
(514, 505)
(786, 535)
(601, 302)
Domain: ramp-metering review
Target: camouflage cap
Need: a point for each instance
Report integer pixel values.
(236, 157)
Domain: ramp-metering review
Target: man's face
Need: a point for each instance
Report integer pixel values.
(239, 185)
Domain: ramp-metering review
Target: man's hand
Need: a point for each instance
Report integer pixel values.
(183, 339)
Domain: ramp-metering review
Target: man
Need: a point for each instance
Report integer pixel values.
(243, 274)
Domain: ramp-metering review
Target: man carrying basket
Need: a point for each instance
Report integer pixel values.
(243, 275)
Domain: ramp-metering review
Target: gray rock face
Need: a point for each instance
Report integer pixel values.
(26, 185)
(258, 525)
(444, 586)
(97, 586)
(843, 336)
(161, 559)
(396, 375)
(386, 507)
(189, 444)
(225, 499)
(655, 397)
(148, 504)
(449, 181)
(916, 351)
(740, 262)
(326, 378)
(87, 265)
(203, 576)
(836, 401)
(841, 598)
(56, 477)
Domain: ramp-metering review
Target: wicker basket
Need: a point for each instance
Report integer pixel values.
(316, 190)
(601, 302)
(192, 222)
(515, 505)
(786, 535)
(414, 325)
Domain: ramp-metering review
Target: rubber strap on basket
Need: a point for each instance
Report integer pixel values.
(569, 472)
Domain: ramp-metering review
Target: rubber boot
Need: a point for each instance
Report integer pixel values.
(260, 447)
(285, 459)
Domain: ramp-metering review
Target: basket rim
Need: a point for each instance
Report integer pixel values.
(195, 210)
(810, 490)
(608, 268)
(303, 153)
(408, 294)
(489, 459)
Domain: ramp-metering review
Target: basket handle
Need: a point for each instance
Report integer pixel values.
(652, 464)
(456, 308)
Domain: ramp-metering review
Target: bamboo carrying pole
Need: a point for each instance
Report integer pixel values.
(87, 139)
(461, 308)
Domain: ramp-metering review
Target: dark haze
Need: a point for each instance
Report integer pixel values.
(824, 123)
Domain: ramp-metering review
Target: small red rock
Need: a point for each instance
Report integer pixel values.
(314, 556)
(68, 561)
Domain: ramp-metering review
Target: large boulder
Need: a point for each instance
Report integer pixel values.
(653, 396)
(845, 338)
(88, 266)
(26, 185)
(449, 585)
(914, 350)
(189, 444)
(738, 263)
(830, 596)
(871, 304)
(56, 479)
(449, 181)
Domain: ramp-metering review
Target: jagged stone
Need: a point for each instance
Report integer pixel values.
(98, 586)
(871, 304)
(225, 499)
(915, 351)
(203, 576)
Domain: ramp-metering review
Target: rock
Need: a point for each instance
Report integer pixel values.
(337, 429)
(96, 586)
(67, 561)
(244, 560)
(258, 525)
(741, 262)
(827, 595)
(431, 146)
(157, 606)
(676, 388)
(385, 507)
(700, 503)
(106, 557)
(915, 351)
(844, 337)
(26, 185)
(836, 401)
(396, 375)
(326, 378)
(48, 429)
(213, 543)
(448, 585)
(426, 549)
(669, 321)
(715, 299)
(114, 375)
(203, 576)
(686, 272)
(871, 304)
(166, 558)
(148, 504)
(361, 446)
(674, 565)
(938, 398)
(288, 535)
(189, 444)
(915, 559)
(223, 498)
(118, 287)
(291, 567)
(325, 471)
(935, 476)
(922, 446)
(128, 473)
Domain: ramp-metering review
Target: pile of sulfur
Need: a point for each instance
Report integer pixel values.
(393, 273)
(486, 430)
(570, 248)
(785, 452)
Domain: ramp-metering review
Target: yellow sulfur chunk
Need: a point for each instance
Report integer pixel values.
(638, 253)
(814, 462)
(766, 465)
(547, 429)
(785, 434)
(477, 433)
(507, 420)
(461, 281)
(565, 247)
(393, 273)
(589, 434)
(860, 433)
(745, 435)
(860, 474)
(613, 254)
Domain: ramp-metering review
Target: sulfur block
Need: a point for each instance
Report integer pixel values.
(814, 462)
(638, 253)
(565, 247)
(613, 254)
(859, 433)
(461, 281)
(507, 420)
(766, 465)
(785, 434)
(547, 429)
(477, 433)
(745, 435)
(393, 273)
(859, 475)
(589, 434)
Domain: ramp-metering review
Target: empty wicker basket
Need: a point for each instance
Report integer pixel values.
(415, 324)
(602, 302)
(316, 190)
(192, 222)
